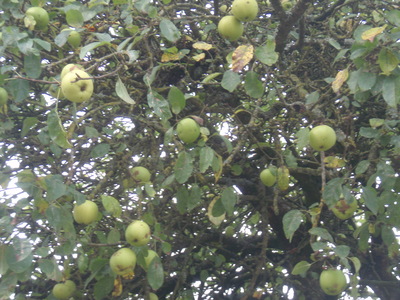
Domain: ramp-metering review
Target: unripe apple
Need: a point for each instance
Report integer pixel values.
(140, 174)
(86, 213)
(40, 16)
(138, 233)
(268, 177)
(230, 28)
(77, 90)
(149, 258)
(344, 210)
(332, 282)
(229, 231)
(245, 10)
(64, 291)
(123, 261)
(153, 296)
(74, 38)
(188, 130)
(68, 68)
(322, 138)
(287, 4)
(3, 96)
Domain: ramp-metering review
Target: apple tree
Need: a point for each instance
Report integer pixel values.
(154, 138)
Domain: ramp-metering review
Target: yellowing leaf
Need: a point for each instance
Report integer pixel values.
(199, 57)
(370, 34)
(241, 57)
(117, 287)
(388, 61)
(283, 177)
(202, 46)
(334, 162)
(168, 56)
(340, 78)
(215, 220)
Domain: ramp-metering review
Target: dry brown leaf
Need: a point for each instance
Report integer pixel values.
(241, 57)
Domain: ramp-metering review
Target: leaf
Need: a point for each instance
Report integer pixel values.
(332, 191)
(182, 197)
(371, 33)
(266, 53)
(283, 177)
(159, 104)
(357, 264)
(84, 50)
(32, 65)
(56, 131)
(334, 162)
(194, 197)
(28, 124)
(370, 199)
(387, 60)
(206, 158)
(103, 287)
(302, 138)
(253, 86)
(155, 273)
(391, 90)
(122, 92)
(19, 256)
(55, 187)
(183, 167)
(321, 232)
(100, 150)
(340, 78)
(229, 199)
(74, 18)
(176, 99)
(301, 268)
(169, 30)
(215, 212)
(342, 251)
(210, 77)
(230, 80)
(241, 57)
(291, 222)
(362, 166)
(111, 205)
(202, 46)
(376, 122)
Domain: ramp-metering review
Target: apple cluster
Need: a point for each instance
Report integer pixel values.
(231, 27)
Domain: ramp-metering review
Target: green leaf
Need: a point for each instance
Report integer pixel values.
(253, 86)
(32, 65)
(342, 251)
(291, 222)
(28, 124)
(3, 259)
(56, 131)
(266, 53)
(332, 191)
(122, 92)
(229, 199)
(113, 236)
(19, 89)
(176, 99)
(19, 256)
(370, 199)
(194, 197)
(183, 167)
(206, 158)
(303, 138)
(169, 30)
(230, 80)
(100, 150)
(155, 273)
(50, 268)
(301, 268)
(218, 208)
(111, 205)
(103, 287)
(356, 263)
(362, 166)
(90, 47)
(74, 18)
(159, 104)
(55, 187)
(387, 60)
(321, 232)
(391, 90)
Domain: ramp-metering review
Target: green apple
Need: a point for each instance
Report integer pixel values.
(68, 68)
(153, 296)
(332, 282)
(140, 174)
(149, 258)
(188, 130)
(138, 233)
(123, 261)
(230, 28)
(86, 213)
(3, 96)
(287, 4)
(268, 177)
(64, 291)
(344, 210)
(245, 10)
(77, 90)
(322, 138)
(74, 38)
(40, 16)
(230, 231)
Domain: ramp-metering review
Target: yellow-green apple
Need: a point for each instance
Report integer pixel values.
(64, 291)
(74, 38)
(153, 296)
(344, 210)
(3, 96)
(268, 177)
(149, 258)
(138, 233)
(332, 281)
(188, 130)
(230, 28)
(140, 174)
(287, 4)
(229, 231)
(123, 261)
(40, 16)
(86, 213)
(322, 138)
(76, 89)
(245, 10)
(68, 68)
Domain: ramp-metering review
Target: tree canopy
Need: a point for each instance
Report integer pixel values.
(218, 231)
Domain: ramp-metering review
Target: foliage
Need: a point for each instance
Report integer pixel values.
(154, 63)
